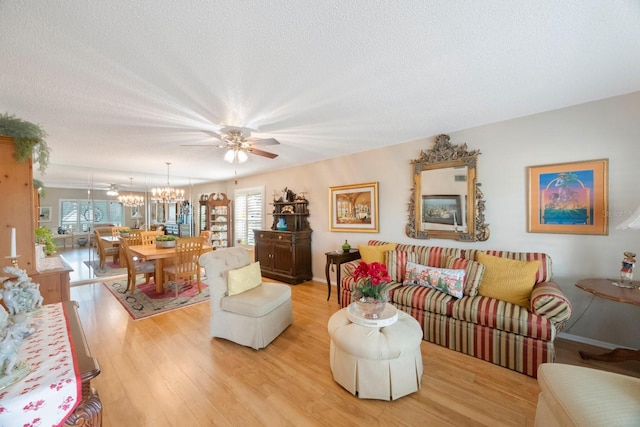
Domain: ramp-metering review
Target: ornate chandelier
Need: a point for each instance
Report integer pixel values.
(167, 194)
(131, 200)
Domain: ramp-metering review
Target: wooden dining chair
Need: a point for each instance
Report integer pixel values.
(135, 238)
(149, 237)
(115, 231)
(185, 262)
(105, 250)
(207, 236)
(135, 267)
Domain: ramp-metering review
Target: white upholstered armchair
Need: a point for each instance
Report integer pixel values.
(257, 314)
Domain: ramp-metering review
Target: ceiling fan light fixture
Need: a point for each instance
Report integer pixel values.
(113, 190)
(234, 155)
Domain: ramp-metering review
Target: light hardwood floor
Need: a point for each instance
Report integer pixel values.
(167, 371)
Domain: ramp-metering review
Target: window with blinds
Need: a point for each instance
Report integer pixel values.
(248, 214)
(80, 215)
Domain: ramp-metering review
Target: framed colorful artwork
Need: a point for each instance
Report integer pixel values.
(569, 198)
(354, 208)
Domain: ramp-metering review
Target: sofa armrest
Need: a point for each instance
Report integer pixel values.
(548, 300)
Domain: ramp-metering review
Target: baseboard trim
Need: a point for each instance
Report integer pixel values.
(589, 341)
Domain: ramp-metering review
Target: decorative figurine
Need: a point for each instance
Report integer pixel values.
(21, 295)
(626, 272)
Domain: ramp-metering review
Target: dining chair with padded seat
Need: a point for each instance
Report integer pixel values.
(105, 250)
(185, 262)
(115, 231)
(135, 266)
(135, 238)
(252, 316)
(149, 237)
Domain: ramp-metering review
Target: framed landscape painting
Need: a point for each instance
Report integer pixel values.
(354, 208)
(442, 209)
(568, 198)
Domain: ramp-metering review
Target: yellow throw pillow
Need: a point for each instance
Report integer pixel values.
(375, 253)
(508, 280)
(243, 279)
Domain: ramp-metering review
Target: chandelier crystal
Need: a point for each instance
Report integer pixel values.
(167, 194)
(131, 200)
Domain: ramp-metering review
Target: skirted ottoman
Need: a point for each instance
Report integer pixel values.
(376, 363)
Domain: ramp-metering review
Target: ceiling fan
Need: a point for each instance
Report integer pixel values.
(236, 141)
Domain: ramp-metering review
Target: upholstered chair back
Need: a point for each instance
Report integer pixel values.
(217, 264)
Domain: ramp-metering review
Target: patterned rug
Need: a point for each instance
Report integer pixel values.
(145, 301)
(109, 269)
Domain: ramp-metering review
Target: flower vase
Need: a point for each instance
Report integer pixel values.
(346, 247)
(371, 308)
(281, 225)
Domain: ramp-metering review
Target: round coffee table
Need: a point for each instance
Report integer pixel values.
(376, 362)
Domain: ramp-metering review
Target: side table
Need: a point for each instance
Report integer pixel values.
(615, 291)
(337, 258)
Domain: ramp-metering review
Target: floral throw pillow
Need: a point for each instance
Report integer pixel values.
(449, 281)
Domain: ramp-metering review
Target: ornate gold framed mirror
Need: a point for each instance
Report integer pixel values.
(446, 201)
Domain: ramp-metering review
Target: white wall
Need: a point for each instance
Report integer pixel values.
(604, 129)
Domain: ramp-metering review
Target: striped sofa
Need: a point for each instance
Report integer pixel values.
(500, 332)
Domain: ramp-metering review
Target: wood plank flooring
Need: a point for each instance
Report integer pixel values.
(167, 371)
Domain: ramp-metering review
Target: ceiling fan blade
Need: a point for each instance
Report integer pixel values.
(213, 134)
(255, 151)
(267, 141)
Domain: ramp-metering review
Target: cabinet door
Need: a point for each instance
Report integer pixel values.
(263, 253)
(283, 258)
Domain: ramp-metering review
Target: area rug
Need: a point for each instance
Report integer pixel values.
(109, 269)
(146, 302)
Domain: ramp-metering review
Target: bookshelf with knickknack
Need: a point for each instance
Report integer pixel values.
(216, 216)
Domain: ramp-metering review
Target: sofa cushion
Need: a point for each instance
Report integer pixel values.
(508, 280)
(445, 280)
(473, 276)
(544, 273)
(375, 253)
(396, 262)
(243, 279)
(422, 298)
(258, 301)
(427, 255)
(504, 316)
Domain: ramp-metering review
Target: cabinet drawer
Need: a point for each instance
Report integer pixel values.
(274, 235)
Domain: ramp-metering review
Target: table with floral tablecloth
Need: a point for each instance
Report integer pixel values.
(53, 388)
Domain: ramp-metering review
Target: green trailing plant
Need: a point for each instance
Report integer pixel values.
(44, 236)
(166, 238)
(28, 139)
(39, 186)
(125, 230)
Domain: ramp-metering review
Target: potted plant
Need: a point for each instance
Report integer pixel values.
(44, 236)
(166, 241)
(28, 139)
(124, 232)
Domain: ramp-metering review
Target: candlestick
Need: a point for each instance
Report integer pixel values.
(13, 243)
(13, 260)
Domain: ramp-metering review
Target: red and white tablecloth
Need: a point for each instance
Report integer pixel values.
(53, 388)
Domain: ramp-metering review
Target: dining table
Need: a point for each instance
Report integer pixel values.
(159, 255)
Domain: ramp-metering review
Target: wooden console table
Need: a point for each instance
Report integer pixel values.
(337, 258)
(34, 398)
(605, 288)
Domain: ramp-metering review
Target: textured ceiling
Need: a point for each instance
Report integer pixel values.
(120, 85)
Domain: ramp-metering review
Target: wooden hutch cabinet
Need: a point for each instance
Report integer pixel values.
(216, 215)
(284, 251)
(18, 211)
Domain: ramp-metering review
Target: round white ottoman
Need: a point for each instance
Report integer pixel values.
(376, 363)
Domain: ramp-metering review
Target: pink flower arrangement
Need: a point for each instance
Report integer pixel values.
(369, 280)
